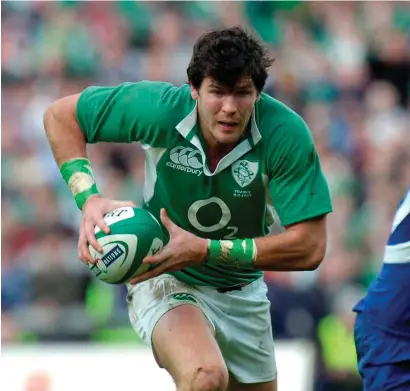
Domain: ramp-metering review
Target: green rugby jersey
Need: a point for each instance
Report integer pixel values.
(276, 166)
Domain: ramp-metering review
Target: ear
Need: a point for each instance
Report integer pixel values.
(258, 97)
(194, 92)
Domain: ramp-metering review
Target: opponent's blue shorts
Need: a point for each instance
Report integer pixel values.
(383, 356)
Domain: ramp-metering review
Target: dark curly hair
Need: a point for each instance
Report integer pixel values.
(227, 55)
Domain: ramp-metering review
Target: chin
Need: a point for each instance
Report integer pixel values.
(232, 138)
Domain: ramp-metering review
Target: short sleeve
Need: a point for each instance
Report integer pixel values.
(297, 185)
(145, 111)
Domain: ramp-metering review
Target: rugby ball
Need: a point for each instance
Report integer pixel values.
(134, 234)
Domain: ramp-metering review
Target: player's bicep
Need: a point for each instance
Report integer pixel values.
(63, 109)
(311, 234)
(315, 227)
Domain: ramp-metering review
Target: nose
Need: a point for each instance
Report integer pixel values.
(229, 105)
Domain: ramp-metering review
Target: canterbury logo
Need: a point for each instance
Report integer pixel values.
(184, 297)
(186, 159)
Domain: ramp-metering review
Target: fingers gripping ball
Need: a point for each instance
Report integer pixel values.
(134, 234)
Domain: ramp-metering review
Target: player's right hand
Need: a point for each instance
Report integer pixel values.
(94, 210)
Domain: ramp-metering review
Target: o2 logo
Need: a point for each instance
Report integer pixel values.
(222, 223)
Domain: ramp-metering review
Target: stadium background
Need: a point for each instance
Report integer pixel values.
(345, 67)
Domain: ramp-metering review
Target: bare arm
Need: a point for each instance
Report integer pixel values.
(301, 247)
(66, 139)
(68, 142)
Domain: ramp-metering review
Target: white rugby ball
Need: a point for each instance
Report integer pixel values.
(134, 234)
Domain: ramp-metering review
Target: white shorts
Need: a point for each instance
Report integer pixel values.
(240, 318)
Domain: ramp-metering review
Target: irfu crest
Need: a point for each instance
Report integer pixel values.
(244, 172)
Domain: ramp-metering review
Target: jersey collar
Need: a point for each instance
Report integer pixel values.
(188, 129)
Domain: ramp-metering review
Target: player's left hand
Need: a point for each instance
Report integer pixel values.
(183, 249)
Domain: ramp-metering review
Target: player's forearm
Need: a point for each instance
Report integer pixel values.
(301, 247)
(290, 251)
(68, 144)
(66, 139)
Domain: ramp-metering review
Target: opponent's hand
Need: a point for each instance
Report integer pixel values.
(94, 210)
(183, 249)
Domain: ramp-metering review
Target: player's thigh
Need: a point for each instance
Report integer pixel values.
(184, 344)
(234, 385)
(244, 333)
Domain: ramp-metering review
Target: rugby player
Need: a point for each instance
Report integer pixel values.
(220, 155)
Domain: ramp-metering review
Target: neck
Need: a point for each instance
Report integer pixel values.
(212, 143)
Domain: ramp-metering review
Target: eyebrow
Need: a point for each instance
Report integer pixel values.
(239, 87)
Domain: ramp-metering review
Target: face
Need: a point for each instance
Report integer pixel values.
(224, 113)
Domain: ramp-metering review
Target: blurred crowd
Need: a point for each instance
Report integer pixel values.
(345, 67)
